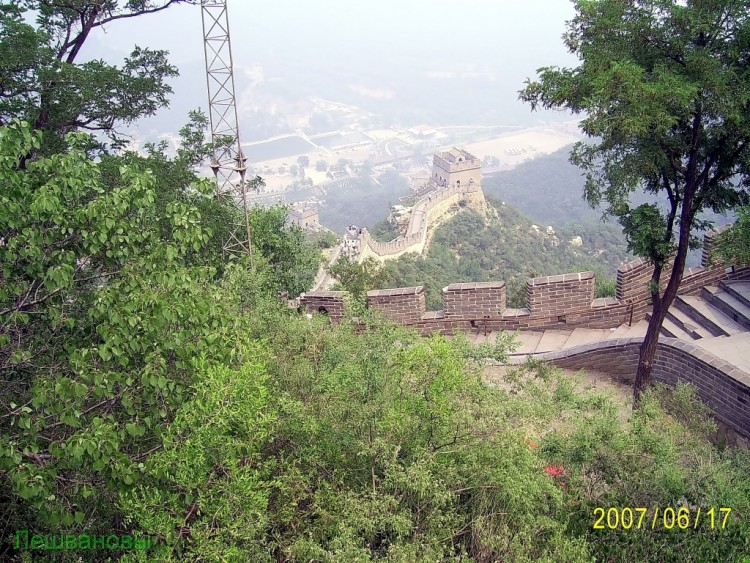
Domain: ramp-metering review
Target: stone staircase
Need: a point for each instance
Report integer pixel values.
(717, 320)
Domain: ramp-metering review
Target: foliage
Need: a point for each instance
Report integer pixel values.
(176, 183)
(45, 85)
(469, 247)
(207, 482)
(322, 239)
(380, 445)
(733, 245)
(293, 261)
(99, 320)
(107, 295)
(356, 277)
(384, 231)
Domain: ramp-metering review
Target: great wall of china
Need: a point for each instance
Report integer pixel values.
(425, 216)
(566, 302)
(705, 339)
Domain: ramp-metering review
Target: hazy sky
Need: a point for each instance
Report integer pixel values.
(383, 44)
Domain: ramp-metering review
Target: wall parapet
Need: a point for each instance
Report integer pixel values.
(331, 303)
(404, 305)
(722, 386)
(416, 233)
(476, 300)
(550, 295)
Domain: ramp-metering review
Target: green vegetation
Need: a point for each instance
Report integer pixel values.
(154, 386)
(356, 277)
(322, 239)
(110, 290)
(45, 85)
(734, 244)
(504, 246)
(384, 231)
(663, 87)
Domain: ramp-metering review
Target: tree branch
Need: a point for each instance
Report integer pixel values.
(141, 12)
(38, 301)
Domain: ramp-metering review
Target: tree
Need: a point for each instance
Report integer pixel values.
(303, 161)
(733, 245)
(178, 183)
(100, 318)
(665, 89)
(293, 260)
(43, 82)
(357, 277)
(321, 166)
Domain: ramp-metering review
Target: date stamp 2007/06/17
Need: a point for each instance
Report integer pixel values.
(684, 518)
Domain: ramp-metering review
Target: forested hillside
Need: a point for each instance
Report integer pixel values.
(505, 246)
(550, 190)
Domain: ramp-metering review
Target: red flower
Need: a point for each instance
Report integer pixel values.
(555, 470)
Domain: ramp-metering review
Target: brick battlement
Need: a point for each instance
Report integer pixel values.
(560, 301)
(567, 301)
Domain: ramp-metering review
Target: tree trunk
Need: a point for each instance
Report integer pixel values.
(661, 307)
(648, 351)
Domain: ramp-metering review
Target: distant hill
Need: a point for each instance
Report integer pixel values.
(550, 189)
(505, 246)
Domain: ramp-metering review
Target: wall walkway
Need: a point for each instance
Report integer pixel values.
(425, 213)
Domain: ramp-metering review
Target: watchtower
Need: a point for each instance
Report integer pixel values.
(456, 168)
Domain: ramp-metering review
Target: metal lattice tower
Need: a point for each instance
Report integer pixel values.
(228, 161)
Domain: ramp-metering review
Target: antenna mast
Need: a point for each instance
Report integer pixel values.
(228, 162)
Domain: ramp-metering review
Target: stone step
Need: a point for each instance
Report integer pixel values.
(581, 336)
(734, 349)
(670, 329)
(637, 330)
(727, 304)
(553, 340)
(686, 323)
(621, 331)
(740, 290)
(711, 318)
(529, 341)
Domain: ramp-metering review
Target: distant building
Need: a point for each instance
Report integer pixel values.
(423, 131)
(456, 167)
(305, 217)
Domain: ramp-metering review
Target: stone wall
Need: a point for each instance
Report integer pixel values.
(562, 301)
(555, 295)
(331, 303)
(723, 387)
(404, 305)
(632, 285)
(425, 213)
(477, 300)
